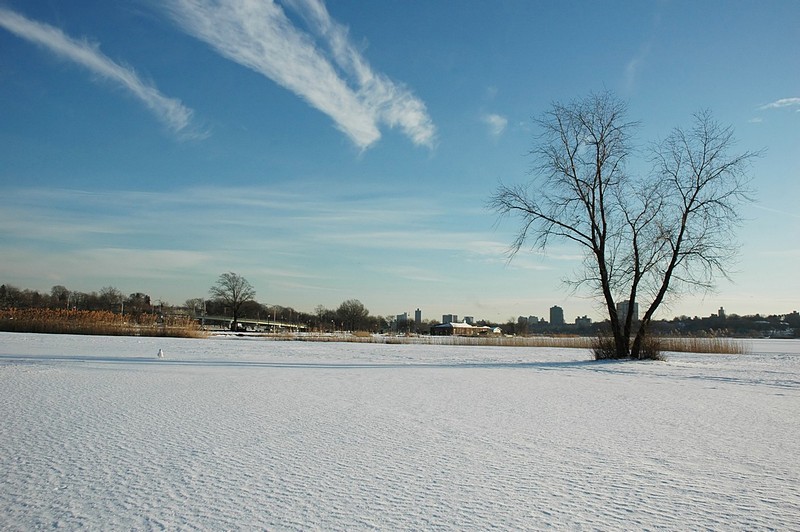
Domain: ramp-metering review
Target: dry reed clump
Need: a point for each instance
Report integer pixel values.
(705, 345)
(604, 348)
(654, 347)
(57, 321)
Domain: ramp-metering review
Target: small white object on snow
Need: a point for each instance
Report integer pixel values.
(160, 353)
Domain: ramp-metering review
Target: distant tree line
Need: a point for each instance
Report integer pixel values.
(60, 297)
(352, 315)
(751, 326)
(733, 325)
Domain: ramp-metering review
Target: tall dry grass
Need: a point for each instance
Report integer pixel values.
(730, 346)
(58, 321)
(500, 341)
(686, 345)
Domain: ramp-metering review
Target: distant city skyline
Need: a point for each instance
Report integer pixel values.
(557, 315)
(332, 150)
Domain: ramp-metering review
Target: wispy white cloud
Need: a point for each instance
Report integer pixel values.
(497, 124)
(297, 243)
(70, 265)
(320, 65)
(635, 65)
(638, 62)
(782, 253)
(783, 102)
(413, 273)
(291, 224)
(88, 55)
(775, 211)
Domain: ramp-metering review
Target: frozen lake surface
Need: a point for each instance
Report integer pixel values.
(233, 433)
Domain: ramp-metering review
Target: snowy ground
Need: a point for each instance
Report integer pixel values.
(98, 433)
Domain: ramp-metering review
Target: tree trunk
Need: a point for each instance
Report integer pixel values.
(622, 345)
(636, 349)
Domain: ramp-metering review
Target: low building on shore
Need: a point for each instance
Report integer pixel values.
(461, 329)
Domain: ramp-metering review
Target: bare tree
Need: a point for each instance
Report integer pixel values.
(137, 304)
(59, 296)
(324, 317)
(112, 299)
(233, 291)
(196, 305)
(664, 233)
(353, 315)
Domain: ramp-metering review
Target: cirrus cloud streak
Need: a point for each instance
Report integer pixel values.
(170, 111)
(320, 65)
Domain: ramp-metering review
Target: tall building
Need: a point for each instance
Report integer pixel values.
(469, 319)
(622, 310)
(556, 315)
(418, 318)
(449, 318)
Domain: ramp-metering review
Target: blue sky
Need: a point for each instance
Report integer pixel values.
(329, 151)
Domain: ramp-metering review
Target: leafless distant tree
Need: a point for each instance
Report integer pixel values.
(196, 305)
(353, 315)
(646, 237)
(233, 291)
(59, 296)
(112, 299)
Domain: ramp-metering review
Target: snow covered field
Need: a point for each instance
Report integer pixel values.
(97, 432)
